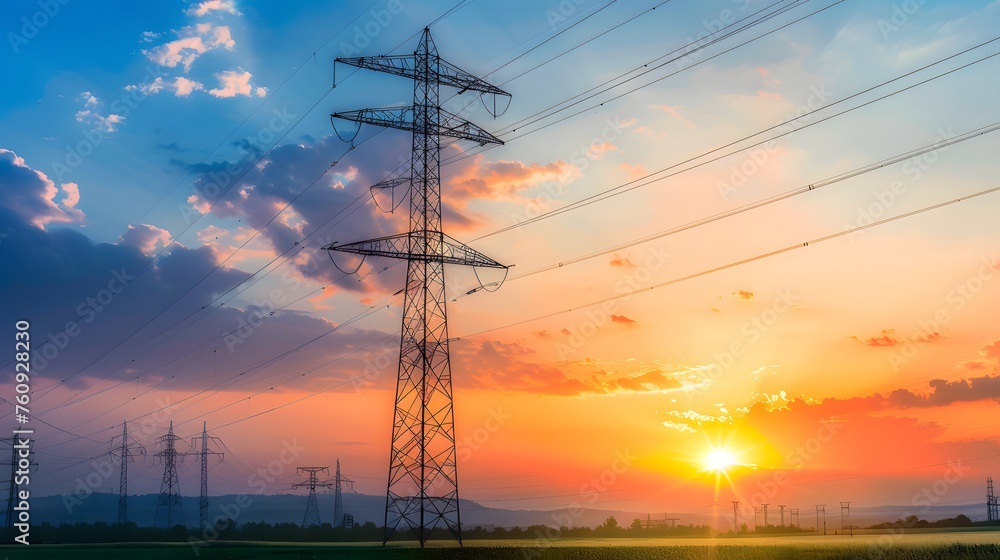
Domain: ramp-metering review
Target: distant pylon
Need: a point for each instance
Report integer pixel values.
(793, 517)
(338, 502)
(170, 493)
(992, 503)
(126, 447)
(204, 453)
(18, 466)
(781, 508)
(312, 507)
(846, 506)
(736, 518)
(821, 508)
(422, 490)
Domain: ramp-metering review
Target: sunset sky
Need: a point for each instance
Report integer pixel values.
(860, 367)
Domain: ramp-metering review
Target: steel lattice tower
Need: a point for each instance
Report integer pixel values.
(170, 493)
(338, 502)
(203, 454)
(125, 449)
(992, 504)
(422, 492)
(312, 507)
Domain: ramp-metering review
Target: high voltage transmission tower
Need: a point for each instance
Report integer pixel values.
(992, 506)
(821, 508)
(846, 506)
(339, 519)
(422, 492)
(19, 468)
(170, 493)
(203, 454)
(125, 449)
(312, 507)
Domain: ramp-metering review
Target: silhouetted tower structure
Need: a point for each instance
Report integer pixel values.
(992, 505)
(339, 518)
(781, 508)
(793, 517)
(19, 466)
(312, 507)
(821, 508)
(202, 441)
(422, 492)
(846, 506)
(765, 514)
(125, 449)
(756, 517)
(736, 516)
(170, 492)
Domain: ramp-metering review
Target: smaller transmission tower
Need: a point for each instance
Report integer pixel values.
(736, 516)
(992, 505)
(204, 453)
(793, 517)
(170, 493)
(821, 508)
(757, 511)
(765, 514)
(781, 508)
(125, 450)
(18, 466)
(845, 506)
(312, 507)
(339, 518)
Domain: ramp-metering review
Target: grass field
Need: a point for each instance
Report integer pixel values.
(966, 545)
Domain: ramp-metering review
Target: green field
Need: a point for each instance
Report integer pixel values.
(979, 545)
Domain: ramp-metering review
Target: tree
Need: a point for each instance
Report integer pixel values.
(636, 524)
(610, 523)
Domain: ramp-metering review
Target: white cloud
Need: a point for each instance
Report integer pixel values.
(236, 82)
(182, 87)
(89, 100)
(148, 36)
(72, 195)
(89, 115)
(204, 8)
(192, 42)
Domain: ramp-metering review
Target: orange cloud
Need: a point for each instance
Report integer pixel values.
(744, 295)
(504, 179)
(888, 338)
(505, 366)
(675, 112)
(633, 172)
(992, 351)
(621, 319)
(619, 261)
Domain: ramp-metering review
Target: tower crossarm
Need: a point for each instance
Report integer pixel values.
(405, 65)
(403, 119)
(409, 246)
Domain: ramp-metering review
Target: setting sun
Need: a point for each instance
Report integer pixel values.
(720, 460)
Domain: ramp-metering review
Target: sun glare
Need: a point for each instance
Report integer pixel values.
(720, 460)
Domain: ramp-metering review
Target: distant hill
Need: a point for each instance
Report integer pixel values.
(280, 508)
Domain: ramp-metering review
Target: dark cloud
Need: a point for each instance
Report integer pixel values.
(84, 300)
(32, 196)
